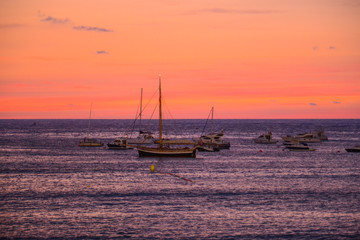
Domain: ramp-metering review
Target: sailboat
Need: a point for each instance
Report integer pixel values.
(144, 137)
(90, 142)
(124, 143)
(164, 150)
(213, 140)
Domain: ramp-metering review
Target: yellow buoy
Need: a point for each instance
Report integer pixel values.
(152, 168)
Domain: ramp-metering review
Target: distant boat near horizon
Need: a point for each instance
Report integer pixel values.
(87, 141)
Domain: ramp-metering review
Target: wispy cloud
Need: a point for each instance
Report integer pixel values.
(55, 20)
(312, 104)
(102, 52)
(336, 102)
(316, 48)
(12, 25)
(234, 11)
(88, 28)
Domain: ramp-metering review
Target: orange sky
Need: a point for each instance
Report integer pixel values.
(247, 58)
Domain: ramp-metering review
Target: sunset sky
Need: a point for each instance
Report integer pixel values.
(247, 58)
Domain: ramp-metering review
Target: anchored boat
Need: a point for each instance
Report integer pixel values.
(164, 150)
(265, 139)
(300, 147)
(90, 142)
(213, 139)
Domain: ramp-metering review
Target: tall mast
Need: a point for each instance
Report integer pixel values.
(212, 118)
(89, 120)
(141, 107)
(160, 115)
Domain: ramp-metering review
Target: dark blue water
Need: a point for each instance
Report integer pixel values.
(50, 188)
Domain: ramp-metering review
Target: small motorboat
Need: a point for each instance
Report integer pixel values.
(119, 145)
(300, 147)
(302, 138)
(354, 149)
(310, 137)
(213, 140)
(265, 139)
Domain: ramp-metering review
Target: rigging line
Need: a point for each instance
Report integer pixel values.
(136, 117)
(89, 120)
(148, 123)
(176, 122)
(132, 125)
(148, 102)
(166, 127)
(206, 123)
(170, 127)
(137, 111)
(168, 109)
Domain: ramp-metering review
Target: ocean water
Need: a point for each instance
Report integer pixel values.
(51, 188)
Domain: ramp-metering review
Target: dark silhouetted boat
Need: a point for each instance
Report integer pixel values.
(164, 150)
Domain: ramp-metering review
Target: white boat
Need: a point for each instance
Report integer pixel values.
(265, 139)
(311, 137)
(213, 139)
(144, 137)
(302, 138)
(90, 142)
(300, 147)
(119, 145)
(165, 150)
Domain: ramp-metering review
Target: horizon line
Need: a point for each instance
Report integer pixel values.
(155, 119)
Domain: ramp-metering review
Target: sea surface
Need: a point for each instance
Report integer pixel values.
(51, 188)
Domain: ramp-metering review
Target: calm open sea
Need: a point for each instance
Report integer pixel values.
(51, 188)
